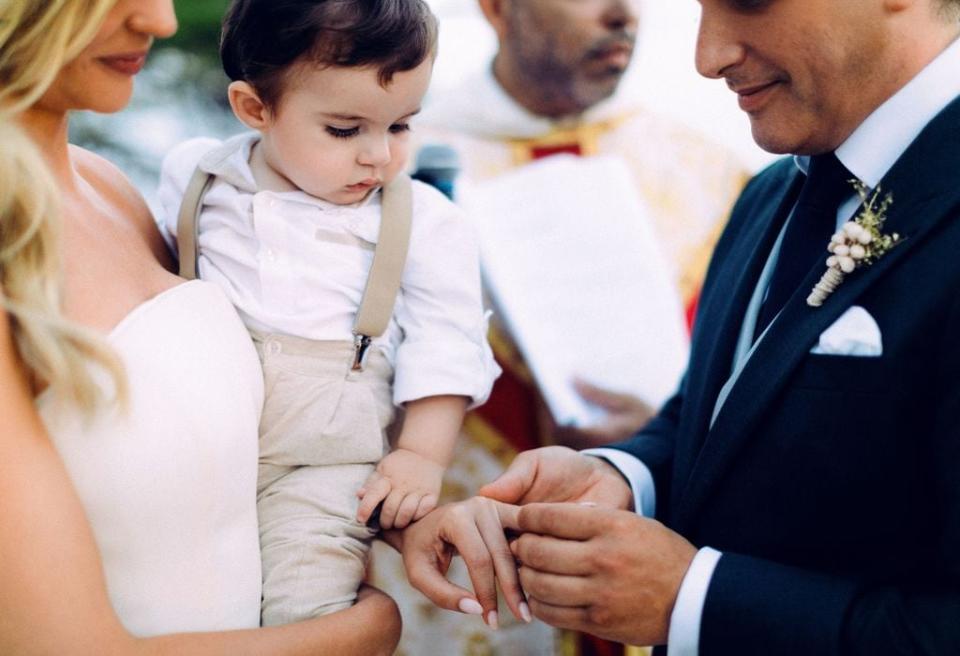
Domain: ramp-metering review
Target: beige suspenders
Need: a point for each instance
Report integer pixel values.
(188, 221)
(389, 257)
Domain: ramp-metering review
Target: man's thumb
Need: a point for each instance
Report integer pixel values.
(513, 484)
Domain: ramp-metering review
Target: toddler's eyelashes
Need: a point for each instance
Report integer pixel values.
(342, 133)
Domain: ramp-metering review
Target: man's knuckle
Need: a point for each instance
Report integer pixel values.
(598, 615)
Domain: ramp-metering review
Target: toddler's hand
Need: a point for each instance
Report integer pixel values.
(407, 483)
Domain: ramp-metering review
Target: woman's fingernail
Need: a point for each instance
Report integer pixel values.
(470, 606)
(492, 620)
(525, 612)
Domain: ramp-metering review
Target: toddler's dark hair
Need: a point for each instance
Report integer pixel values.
(261, 39)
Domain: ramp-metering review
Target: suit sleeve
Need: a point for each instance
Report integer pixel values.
(765, 608)
(654, 445)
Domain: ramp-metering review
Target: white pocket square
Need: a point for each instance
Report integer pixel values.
(854, 333)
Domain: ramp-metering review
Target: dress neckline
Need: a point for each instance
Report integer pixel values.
(122, 325)
(138, 310)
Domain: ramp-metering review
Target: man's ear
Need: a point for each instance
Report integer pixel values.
(495, 13)
(247, 106)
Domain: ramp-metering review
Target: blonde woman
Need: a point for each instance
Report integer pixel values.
(129, 399)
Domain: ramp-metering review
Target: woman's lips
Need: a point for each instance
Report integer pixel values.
(126, 64)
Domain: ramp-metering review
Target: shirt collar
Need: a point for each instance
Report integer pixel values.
(230, 161)
(873, 148)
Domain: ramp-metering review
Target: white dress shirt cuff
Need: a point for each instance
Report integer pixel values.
(636, 473)
(683, 638)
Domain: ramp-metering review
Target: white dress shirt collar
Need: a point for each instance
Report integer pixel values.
(882, 138)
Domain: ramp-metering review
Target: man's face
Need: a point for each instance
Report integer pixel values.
(577, 50)
(806, 72)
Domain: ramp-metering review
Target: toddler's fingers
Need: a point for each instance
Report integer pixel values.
(388, 514)
(427, 504)
(407, 510)
(374, 494)
(370, 482)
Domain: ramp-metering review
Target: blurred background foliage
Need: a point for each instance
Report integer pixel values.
(199, 26)
(180, 94)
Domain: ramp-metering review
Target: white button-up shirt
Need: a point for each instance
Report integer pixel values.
(297, 265)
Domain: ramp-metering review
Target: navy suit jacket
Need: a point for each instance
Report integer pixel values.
(831, 483)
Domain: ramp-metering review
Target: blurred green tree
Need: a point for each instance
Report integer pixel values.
(199, 31)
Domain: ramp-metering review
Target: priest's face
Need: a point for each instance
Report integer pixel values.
(576, 51)
(806, 72)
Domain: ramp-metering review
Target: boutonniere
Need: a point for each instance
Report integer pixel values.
(858, 243)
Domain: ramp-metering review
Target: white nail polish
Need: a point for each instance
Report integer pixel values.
(470, 606)
(525, 612)
(493, 620)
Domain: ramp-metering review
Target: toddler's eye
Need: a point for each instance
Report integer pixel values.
(397, 128)
(342, 133)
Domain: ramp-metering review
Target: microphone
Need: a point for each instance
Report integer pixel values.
(437, 165)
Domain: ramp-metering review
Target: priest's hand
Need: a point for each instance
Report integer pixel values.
(625, 414)
(607, 572)
(557, 474)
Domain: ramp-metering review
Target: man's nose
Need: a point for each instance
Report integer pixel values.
(621, 15)
(718, 45)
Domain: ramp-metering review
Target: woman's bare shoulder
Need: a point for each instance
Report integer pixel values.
(103, 175)
(113, 185)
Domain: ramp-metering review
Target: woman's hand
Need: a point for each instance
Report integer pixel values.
(380, 618)
(475, 529)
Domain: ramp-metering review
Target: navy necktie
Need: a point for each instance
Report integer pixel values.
(813, 222)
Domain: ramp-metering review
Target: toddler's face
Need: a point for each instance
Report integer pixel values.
(336, 133)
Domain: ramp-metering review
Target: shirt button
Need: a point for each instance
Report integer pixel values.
(274, 348)
(271, 255)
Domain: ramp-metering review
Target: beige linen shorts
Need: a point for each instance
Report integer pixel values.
(322, 431)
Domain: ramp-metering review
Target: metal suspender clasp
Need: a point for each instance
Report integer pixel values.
(360, 345)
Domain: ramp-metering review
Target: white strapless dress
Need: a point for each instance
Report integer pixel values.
(169, 487)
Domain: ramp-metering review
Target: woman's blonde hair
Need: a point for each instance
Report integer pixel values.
(36, 40)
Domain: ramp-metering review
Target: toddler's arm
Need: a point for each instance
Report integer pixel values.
(408, 479)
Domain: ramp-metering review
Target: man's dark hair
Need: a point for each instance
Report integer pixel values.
(262, 39)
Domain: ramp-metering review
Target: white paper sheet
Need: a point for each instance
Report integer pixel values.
(572, 263)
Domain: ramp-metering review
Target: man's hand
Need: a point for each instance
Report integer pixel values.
(556, 474)
(607, 572)
(625, 415)
(474, 529)
(407, 483)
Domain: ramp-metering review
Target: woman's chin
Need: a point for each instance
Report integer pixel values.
(110, 104)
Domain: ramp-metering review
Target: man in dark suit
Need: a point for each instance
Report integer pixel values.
(806, 476)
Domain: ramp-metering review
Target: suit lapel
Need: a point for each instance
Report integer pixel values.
(720, 314)
(925, 192)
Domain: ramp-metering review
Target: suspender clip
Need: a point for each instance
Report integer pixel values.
(360, 345)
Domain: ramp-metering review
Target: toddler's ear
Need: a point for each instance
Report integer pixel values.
(247, 105)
